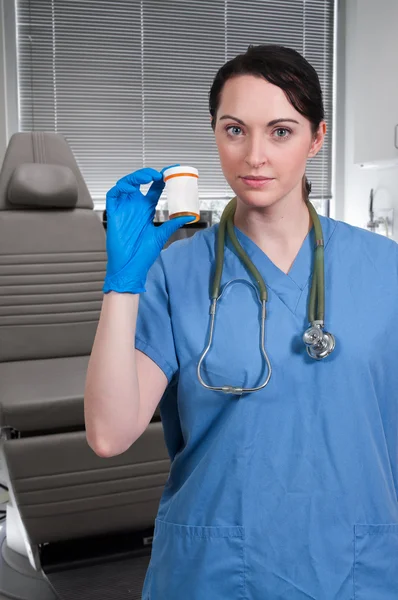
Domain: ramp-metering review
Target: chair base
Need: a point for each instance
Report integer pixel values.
(18, 580)
(113, 567)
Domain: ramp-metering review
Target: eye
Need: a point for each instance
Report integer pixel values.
(282, 132)
(233, 130)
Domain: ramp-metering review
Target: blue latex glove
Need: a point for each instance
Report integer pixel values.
(133, 242)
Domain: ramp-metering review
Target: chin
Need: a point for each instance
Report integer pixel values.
(257, 198)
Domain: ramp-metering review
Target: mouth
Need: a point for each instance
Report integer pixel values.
(256, 181)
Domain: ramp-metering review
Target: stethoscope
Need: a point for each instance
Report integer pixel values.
(319, 343)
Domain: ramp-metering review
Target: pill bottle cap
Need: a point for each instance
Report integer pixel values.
(180, 171)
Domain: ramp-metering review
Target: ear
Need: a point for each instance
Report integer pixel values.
(317, 141)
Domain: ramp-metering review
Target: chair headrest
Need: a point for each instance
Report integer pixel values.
(44, 186)
(40, 171)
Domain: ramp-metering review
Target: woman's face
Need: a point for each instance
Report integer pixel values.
(262, 140)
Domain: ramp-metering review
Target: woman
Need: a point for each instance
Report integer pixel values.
(289, 492)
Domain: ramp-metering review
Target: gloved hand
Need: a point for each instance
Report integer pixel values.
(133, 242)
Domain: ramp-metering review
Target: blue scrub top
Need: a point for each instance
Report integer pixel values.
(289, 493)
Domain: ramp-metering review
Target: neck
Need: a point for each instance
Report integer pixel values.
(279, 230)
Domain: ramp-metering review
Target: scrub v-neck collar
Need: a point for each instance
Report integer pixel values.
(288, 286)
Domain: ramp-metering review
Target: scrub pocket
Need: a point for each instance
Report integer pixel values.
(197, 563)
(376, 562)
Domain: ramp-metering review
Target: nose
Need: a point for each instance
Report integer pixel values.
(256, 155)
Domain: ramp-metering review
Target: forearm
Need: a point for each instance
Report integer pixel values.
(111, 399)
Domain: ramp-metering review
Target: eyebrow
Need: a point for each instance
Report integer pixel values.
(270, 124)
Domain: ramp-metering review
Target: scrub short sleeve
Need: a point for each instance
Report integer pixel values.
(154, 333)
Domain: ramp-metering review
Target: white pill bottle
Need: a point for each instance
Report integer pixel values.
(182, 192)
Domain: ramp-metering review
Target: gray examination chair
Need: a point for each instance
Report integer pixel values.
(72, 515)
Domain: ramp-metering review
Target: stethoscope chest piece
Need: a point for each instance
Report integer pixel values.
(319, 343)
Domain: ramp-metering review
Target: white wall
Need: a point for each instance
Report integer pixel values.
(8, 75)
(358, 181)
(3, 130)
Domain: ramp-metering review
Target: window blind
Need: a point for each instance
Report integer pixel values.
(127, 81)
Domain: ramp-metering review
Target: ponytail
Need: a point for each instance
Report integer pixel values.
(306, 188)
